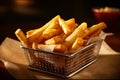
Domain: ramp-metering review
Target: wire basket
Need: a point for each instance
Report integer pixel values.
(63, 65)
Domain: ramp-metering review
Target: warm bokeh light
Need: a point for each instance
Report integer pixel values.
(23, 2)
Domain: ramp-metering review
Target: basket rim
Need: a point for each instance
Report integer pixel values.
(62, 54)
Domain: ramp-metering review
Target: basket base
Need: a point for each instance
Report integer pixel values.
(63, 76)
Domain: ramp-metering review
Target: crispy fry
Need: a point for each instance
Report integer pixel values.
(36, 34)
(64, 26)
(50, 33)
(80, 31)
(77, 44)
(54, 40)
(63, 36)
(28, 33)
(21, 36)
(54, 24)
(70, 21)
(60, 48)
(96, 33)
(53, 48)
(71, 24)
(35, 45)
(96, 27)
(51, 28)
(46, 47)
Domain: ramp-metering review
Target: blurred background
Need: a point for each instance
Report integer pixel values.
(31, 14)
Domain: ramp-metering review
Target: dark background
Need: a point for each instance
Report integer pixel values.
(31, 14)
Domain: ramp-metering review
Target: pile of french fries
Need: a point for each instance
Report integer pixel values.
(59, 35)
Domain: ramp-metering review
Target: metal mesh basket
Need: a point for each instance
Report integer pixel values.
(63, 65)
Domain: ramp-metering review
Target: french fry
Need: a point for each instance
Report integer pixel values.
(80, 31)
(96, 27)
(21, 36)
(28, 33)
(35, 45)
(44, 47)
(60, 48)
(53, 48)
(54, 40)
(63, 36)
(96, 33)
(36, 34)
(50, 33)
(77, 44)
(71, 24)
(54, 24)
(64, 26)
(70, 21)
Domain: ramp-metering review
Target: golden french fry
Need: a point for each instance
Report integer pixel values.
(35, 45)
(54, 40)
(60, 48)
(77, 44)
(28, 33)
(63, 36)
(80, 31)
(64, 26)
(53, 48)
(36, 34)
(96, 33)
(44, 47)
(71, 24)
(70, 21)
(21, 36)
(54, 24)
(96, 27)
(50, 33)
